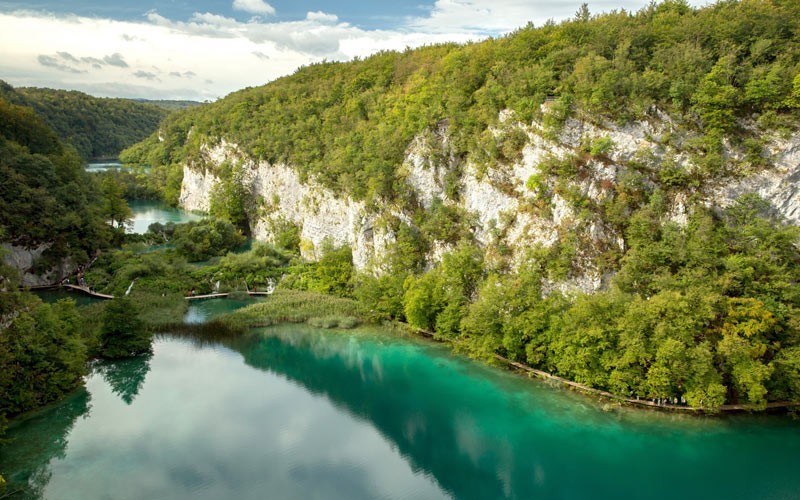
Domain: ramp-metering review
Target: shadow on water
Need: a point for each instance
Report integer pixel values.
(477, 432)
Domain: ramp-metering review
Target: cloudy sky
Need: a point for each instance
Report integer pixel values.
(202, 50)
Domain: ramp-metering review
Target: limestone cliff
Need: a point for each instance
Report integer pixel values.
(515, 204)
(24, 259)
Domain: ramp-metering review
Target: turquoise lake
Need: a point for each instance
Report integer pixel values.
(102, 166)
(295, 412)
(146, 212)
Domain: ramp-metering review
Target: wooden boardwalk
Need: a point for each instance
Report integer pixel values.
(87, 291)
(223, 295)
(83, 289)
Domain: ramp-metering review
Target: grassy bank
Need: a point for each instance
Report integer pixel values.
(296, 306)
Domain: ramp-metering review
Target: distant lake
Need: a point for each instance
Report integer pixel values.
(102, 166)
(146, 212)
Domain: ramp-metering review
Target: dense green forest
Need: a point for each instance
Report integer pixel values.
(170, 105)
(47, 198)
(706, 311)
(96, 127)
(350, 123)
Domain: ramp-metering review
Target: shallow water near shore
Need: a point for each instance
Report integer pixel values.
(296, 412)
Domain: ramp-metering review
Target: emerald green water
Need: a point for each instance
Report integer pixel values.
(146, 212)
(293, 412)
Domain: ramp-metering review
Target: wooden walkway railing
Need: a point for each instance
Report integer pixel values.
(83, 289)
(223, 295)
(88, 291)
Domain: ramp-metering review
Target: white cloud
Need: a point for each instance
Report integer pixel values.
(147, 75)
(115, 59)
(322, 17)
(218, 54)
(254, 7)
(493, 17)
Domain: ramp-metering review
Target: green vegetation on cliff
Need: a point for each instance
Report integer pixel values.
(96, 127)
(705, 311)
(349, 124)
(46, 197)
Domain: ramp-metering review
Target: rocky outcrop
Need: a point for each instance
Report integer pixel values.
(779, 185)
(24, 259)
(504, 207)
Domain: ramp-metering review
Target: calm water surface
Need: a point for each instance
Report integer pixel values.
(146, 212)
(102, 166)
(297, 413)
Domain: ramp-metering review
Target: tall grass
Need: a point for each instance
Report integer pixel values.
(295, 306)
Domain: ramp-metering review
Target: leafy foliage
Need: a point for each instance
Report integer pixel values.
(45, 197)
(42, 354)
(123, 334)
(201, 240)
(707, 312)
(96, 127)
(349, 124)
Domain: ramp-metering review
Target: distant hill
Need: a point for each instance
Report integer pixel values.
(170, 105)
(97, 127)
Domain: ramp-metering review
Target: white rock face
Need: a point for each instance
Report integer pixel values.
(319, 215)
(499, 201)
(779, 185)
(422, 175)
(196, 190)
(23, 260)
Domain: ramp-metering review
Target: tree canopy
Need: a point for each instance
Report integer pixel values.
(96, 127)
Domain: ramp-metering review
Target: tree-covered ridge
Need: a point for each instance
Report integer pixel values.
(705, 311)
(46, 197)
(96, 127)
(349, 124)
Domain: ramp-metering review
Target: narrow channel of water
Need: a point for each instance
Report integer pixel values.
(295, 412)
(146, 212)
(103, 165)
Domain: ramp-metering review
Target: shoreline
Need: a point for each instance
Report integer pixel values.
(600, 395)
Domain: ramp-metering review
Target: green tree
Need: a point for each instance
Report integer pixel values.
(115, 209)
(123, 334)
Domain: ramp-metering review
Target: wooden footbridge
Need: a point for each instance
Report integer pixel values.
(91, 293)
(223, 295)
(83, 289)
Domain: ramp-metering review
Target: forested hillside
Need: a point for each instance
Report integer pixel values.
(349, 124)
(46, 197)
(699, 303)
(96, 127)
(48, 203)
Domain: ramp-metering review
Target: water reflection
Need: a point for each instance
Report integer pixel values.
(125, 377)
(146, 212)
(483, 434)
(329, 415)
(37, 442)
